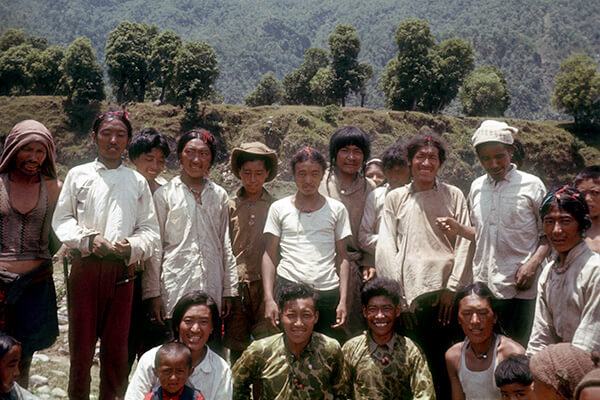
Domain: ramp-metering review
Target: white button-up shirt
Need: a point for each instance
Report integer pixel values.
(196, 246)
(508, 228)
(371, 219)
(115, 203)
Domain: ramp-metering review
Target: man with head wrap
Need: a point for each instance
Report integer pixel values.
(29, 190)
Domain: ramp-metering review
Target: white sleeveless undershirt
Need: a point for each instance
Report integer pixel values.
(479, 385)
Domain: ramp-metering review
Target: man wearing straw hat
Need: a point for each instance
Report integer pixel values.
(254, 164)
(28, 194)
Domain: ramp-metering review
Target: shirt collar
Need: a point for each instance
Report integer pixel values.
(207, 186)
(575, 252)
(356, 185)
(389, 346)
(99, 165)
(174, 396)
(507, 176)
(413, 188)
(264, 196)
(310, 347)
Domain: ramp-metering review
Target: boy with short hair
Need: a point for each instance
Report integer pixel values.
(254, 164)
(514, 379)
(380, 364)
(588, 183)
(173, 366)
(295, 364)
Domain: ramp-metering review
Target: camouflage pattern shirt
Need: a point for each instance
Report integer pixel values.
(316, 374)
(396, 370)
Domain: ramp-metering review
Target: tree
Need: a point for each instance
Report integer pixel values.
(13, 69)
(296, 85)
(46, 71)
(11, 38)
(322, 87)
(83, 75)
(365, 72)
(577, 90)
(484, 93)
(344, 44)
(127, 52)
(164, 50)
(266, 93)
(195, 71)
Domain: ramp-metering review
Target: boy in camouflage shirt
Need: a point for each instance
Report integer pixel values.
(381, 364)
(295, 364)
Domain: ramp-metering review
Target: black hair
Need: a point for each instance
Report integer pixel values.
(146, 140)
(380, 287)
(519, 155)
(308, 154)
(195, 298)
(172, 348)
(292, 291)
(513, 369)
(571, 200)
(428, 140)
(480, 289)
(6, 343)
(592, 172)
(121, 115)
(349, 136)
(198, 133)
(394, 155)
(245, 157)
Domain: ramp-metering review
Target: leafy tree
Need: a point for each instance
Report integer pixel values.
(365, 72)
(296, 85)
(164, 50)
(13, 69)
(127, 52)
(577, 90)
(195, 72)
(46, 71)
(322, 87)
(266, 93)
(11, 38)
(344, 43)
(83, 75)
(37, 42)
(484, 93)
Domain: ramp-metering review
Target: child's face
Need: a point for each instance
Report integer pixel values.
(517, 391)
(173, 372)
(590, 188)
(375, 173)
(253, 174)
(9, 368)
(150, 164)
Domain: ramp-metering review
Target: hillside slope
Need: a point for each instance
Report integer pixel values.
(553, 152)
(525, 39)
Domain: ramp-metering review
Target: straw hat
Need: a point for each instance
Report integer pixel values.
(256, 149)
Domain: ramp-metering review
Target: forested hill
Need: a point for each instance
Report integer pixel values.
(526, 39)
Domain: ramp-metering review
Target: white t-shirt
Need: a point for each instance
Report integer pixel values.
(307, 241)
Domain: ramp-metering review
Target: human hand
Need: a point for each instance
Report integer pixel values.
(446, 302)
(225, 307)
(448, 225)
(101, 247)
(272, 313)
(368, 273)
(156, 311)
(122, 249)
(340, 315)
(525, 276)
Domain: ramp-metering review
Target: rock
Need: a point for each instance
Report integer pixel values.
(59, 373)
(37, 357)
(37, 380)
(58, 392)
(43, 389)
(157, 102)
(44, 396)
(63, 328)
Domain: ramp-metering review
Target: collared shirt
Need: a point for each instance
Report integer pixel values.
(115, 203)
(508, 228)
(411, 248)
(568, 305)
(371, 219)
(315, 374)
(396, 370)
(212, 377)
(246, 223)
(195, 241)
(354, 199)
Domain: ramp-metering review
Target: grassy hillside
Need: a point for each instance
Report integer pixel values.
(553, 152)
(527, 40)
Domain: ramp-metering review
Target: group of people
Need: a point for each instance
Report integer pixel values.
(349, 288)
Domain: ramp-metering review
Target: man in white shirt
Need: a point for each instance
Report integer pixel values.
(105, 216)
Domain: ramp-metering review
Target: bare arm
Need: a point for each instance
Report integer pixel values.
(344, 273)
(525, 276)
(452, 364)
(269, 261)
(452, 227)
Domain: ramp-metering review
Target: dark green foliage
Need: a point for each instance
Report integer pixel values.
(11, 38)
(14, 77)
(162, 58)
(322, 87)
(330, 113)
(83, 75)
(484, 93)
(344, 45)
(266, 93)
(46, 71)
(296, 85)
(577, 90)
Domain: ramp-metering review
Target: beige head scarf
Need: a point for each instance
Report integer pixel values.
(24, 133)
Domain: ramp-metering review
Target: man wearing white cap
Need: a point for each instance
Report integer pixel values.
(510, 246)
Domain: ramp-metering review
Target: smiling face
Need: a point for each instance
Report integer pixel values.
(349, 159)
(476, 318)
(590, 188)
(381, 313)
(308, 175)
(173, 371)
(195, 158)
(375, 173)
(150, 164)
(561, 229)
(424, 165)
(29, 158)
(112, 140)
(9, 368)
(298, 318)
(495, 159)
(195, 327)
(253, 174)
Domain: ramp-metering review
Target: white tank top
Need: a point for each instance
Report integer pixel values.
(479, 385)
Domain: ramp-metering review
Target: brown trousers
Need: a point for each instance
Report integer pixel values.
(99, 308)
